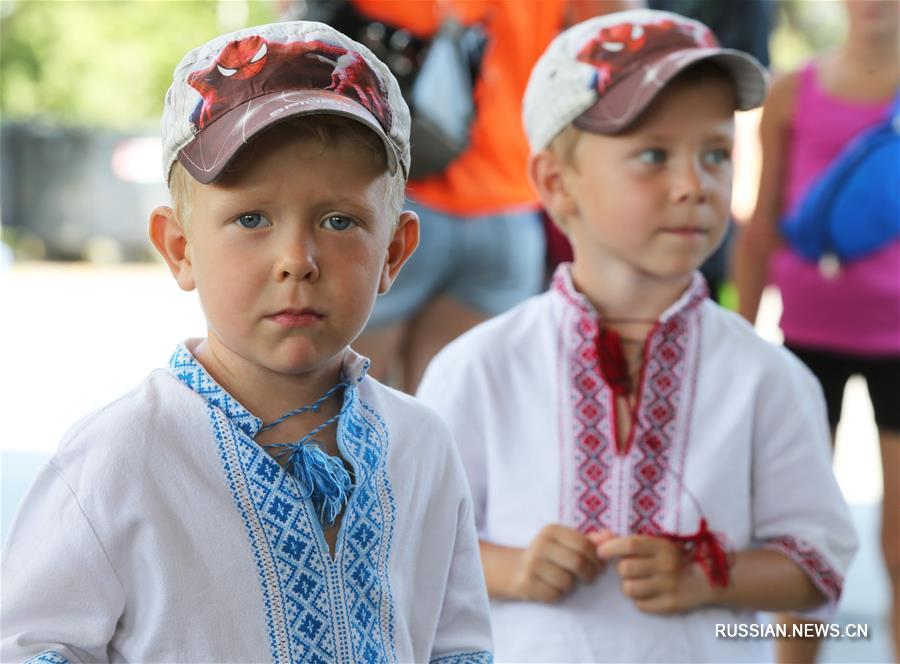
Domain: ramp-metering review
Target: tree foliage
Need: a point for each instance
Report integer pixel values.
(806, 28)
(103, 62)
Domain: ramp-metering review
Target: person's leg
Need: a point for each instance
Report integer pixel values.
(386, 334)
(890, 525)
(499, 262)
(883, 381)
(442, 320)
(382, 347)
(832, 371)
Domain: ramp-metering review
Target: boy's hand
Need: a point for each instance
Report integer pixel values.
(553, 563)
(655, 574)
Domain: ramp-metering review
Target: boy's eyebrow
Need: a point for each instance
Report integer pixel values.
(723, 133)
(242, 197)
(349, 203)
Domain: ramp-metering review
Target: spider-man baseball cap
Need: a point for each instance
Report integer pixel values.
(600, 74)
(235, 86)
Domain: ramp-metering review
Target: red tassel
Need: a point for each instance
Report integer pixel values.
(612, 362)
(707, 550)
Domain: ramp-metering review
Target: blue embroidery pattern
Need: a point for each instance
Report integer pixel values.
(188, 371)
(474, 657)
(369, 528)
(318, 609)
(47, 657)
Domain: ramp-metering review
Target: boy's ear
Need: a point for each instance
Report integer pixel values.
(168, 236)
(546, 170)
(403, 243)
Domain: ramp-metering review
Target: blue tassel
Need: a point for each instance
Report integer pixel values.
(323, 477)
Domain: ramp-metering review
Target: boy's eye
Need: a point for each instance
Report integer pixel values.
(653, 156)
(717, 156)
(252, 220)
(337, 222)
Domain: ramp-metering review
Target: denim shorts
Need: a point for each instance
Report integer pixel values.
(488, 262)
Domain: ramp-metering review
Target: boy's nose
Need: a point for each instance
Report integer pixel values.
(297, 261)
(688, 185)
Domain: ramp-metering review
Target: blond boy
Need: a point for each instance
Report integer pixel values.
(643, 466)
(261, 499)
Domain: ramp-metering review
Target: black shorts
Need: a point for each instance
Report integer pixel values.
(882, 374)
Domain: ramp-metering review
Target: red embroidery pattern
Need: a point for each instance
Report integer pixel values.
(594, 448)
(589, 395)
(816, 567)
(659, 397)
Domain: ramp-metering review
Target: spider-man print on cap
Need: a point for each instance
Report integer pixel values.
(599, 75)
(230, 89)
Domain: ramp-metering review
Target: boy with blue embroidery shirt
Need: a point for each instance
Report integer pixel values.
(205, 516)
(643, 466)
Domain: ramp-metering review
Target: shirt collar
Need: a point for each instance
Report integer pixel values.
(354, 367)
(186, 368)
(563, 288)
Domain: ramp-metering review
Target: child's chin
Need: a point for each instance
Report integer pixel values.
(680, 270)
(296, 362)
(294, 365)
(685, 263)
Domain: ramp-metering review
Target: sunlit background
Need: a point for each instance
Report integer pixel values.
(86, 308)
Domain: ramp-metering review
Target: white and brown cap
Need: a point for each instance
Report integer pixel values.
(235, 86)
(600, 74)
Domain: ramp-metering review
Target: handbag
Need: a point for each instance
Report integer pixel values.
(441, 102)
(853, 208)
(437, 77)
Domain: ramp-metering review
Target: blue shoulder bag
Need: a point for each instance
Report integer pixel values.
(853, 208)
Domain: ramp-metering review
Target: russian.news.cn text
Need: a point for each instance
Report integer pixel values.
(810, 630)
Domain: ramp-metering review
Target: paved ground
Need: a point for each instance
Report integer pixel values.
(75, 337)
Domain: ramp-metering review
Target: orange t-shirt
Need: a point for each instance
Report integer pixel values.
(490, 176)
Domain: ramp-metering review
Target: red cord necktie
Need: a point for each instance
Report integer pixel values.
(705, 548)
(612, 361)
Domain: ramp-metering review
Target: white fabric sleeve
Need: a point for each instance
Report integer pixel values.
(61, 598)
(798, 508)
(464, 628)
(454, 395)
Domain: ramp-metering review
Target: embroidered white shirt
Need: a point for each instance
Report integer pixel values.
(727, 424)
(161, 532)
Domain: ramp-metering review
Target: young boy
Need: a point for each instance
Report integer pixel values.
(174, 525)
(644, 467)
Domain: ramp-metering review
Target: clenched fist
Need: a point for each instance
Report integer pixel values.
(555, 561)
(655, 573)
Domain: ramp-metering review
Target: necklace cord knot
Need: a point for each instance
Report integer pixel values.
(323, 478)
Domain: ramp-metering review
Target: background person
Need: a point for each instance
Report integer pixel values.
(846, 322)
(483, 247)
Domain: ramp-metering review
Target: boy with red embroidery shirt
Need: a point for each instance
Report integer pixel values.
(643, 466)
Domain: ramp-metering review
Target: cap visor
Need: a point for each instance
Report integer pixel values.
(213, 148)
(621, 105)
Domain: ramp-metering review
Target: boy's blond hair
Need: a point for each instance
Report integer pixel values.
(563, 145)
(324, 129)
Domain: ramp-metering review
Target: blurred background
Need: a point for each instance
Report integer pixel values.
(87, 310)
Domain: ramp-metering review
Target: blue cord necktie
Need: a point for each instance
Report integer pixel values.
(322, 477)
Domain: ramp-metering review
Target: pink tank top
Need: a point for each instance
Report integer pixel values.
(858, 310)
